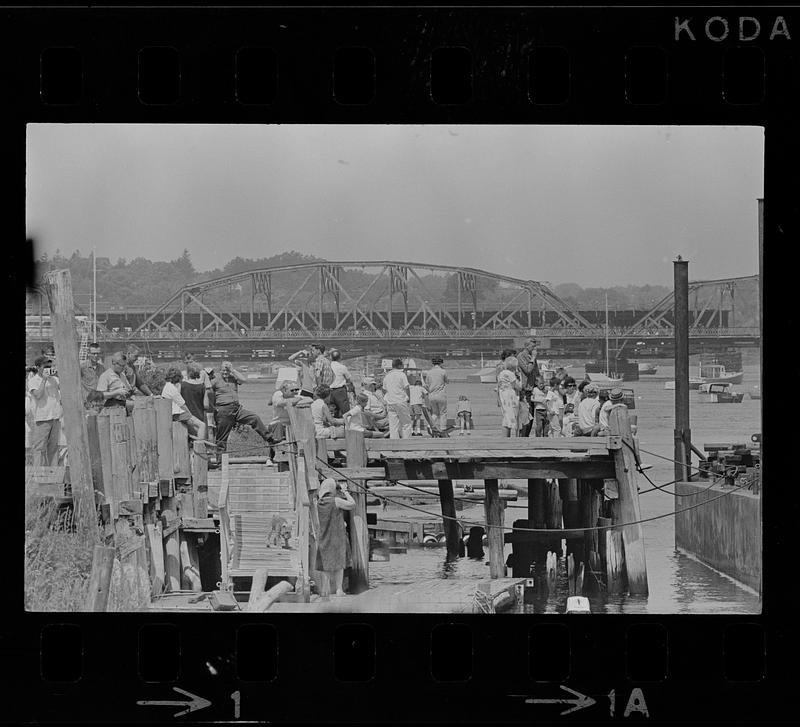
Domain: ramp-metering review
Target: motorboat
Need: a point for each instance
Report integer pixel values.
(694, 384)
(718, 374)
(721, 393)
(646, 369)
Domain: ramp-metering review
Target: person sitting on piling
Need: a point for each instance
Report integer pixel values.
(588, 411)
(358, 419)
(614, 399)
(376, 408)
(333, 545)
(229, 412)
(326, 426)
(180, 411)
(91, 372)
(196, 393)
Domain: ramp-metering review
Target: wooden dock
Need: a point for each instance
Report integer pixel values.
(425, 596)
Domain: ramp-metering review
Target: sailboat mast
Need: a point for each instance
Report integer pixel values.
(94, 294)
(608, 371)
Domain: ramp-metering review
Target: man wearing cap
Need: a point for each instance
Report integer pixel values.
(45, 391)
(529, 368)
(588, 410)
(614, 399)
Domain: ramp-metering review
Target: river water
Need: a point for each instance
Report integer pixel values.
(677, 583)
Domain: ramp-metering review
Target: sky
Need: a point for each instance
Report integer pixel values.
(599, 206)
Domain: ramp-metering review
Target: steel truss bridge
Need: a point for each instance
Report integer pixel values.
(386, 300)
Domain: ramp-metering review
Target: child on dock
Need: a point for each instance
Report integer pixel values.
(464, 414)
(358, 419)
(416, 394)
(539, 401)
(554, 402)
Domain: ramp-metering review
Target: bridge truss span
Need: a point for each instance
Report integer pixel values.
(381, 298)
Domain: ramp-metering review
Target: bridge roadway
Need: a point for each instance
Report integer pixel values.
(449, 342)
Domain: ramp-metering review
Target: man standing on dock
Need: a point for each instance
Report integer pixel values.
(396, 386)
(529, 368)
(91, 372)
(229, 412)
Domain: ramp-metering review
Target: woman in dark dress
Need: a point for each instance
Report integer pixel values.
(333, 548)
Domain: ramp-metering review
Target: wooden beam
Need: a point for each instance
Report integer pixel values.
(629, 511)
(401, 492)
(95, 455)
(190, 563)
(172, 556)
(468, 444)
(163, 408)
(58, 286)
(451, 529)
(359, 534)
(257, 586)
(522, 469)
(493, 508)
(121, 484)
(144, 418)
(100, 578)
(180, 451)
(200, 479)
(354, 473)
(156, 552)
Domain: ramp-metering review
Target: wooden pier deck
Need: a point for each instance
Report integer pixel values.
(432, 595)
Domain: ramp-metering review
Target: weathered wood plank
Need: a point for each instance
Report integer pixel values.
(493, 508)
(359, 535)
(632, 536)
(401, 492)
(163, 409)
(156, 552)
(468, 444)
(354, 473)
(399, 469)
(172, 557)
(95, 455)
(122, 485)
(144, 419)
(182, 468)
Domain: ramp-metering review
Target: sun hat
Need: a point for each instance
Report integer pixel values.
(590, 389)
(615, 394)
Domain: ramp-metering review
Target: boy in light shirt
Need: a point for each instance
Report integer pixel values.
(554, 401)
(416, 395)
(358, 418)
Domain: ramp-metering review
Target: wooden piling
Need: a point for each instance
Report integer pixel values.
(629, 511)
(570, 507)
(538, 521)
(182, 468)
(58, 286)
(104, 444)
(95, 455)
(100, 578)
(156, 554)
(172, 556)
(493, 508)
(121, 485)
(359, 535)
(163, 409)
(449, 522)
(200, 479)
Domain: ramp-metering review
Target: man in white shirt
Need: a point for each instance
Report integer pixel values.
(587, 411)
(395, 384)
(45, 391)
(180, 412)
(341, 384)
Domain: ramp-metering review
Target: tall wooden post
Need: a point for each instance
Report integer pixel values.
(629, 511)
(449, 521)
(200, 479)
(570, 507)
(58, 285)
(538, 521)
(493, 508)
(682, 434)
(359, 535)
(100, 578)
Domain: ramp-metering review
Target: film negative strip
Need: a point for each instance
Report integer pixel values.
(575, 608)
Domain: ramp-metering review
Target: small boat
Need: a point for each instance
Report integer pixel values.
(647, 369)
(721, 393)
(755, 393)
(217, 353)
(718, 374)
(263, 353)
(694, 384)
(603, 379)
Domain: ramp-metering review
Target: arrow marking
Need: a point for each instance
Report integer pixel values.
(580, 702)
(193, 704)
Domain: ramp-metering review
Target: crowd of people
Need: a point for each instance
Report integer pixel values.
(532, 406)
(406, 403)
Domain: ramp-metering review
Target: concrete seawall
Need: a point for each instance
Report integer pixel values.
(725, 534)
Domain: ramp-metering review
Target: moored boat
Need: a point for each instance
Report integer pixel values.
(599, 378)
(647, 369)
(718, 374)
(720, 393)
